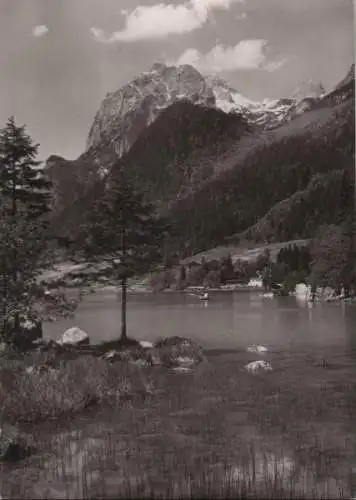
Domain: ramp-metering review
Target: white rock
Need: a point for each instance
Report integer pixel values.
(185, 361)
(146, 344)
(109, 355)
(256, 348)
(74, 336)
(257, 366)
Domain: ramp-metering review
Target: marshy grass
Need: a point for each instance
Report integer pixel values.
(64, 387)
(105, 469)
(217, 432)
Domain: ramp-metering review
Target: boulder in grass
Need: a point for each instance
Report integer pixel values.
(259, 366)
(177, 352)
(74, 337)
(12, 445)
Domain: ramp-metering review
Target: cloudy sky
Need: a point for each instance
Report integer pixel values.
(60, 57)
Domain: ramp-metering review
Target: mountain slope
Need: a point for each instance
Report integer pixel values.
(302, 212)
(71, 180)
(214, 175)
(240, 196)
(177, 152)
(171, 158)
(126, 113)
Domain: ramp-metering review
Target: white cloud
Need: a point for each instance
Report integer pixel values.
(159, 20)
(247, 54)
(40, 30)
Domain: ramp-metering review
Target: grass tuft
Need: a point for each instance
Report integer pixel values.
(68, 388)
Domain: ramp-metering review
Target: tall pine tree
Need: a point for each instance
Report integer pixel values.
(24, 201)
(123, 228)
(21, 178)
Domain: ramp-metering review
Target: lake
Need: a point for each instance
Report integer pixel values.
(230, 320)
(296, 423)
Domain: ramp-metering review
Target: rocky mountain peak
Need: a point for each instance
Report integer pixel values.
(124, 113)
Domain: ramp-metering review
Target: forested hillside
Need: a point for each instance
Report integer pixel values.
(213, 175)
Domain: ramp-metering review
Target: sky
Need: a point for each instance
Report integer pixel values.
(59, 58)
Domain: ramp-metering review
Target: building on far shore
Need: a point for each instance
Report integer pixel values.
(255, 283)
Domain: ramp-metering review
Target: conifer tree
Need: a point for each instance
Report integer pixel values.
(21, 178)
(24, 202)
(123, 228)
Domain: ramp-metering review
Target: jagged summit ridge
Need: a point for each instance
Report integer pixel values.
(124, 113)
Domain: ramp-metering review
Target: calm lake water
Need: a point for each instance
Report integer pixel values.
(227, 321)
(300, 416)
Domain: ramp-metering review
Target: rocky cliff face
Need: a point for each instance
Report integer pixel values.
(125, 113)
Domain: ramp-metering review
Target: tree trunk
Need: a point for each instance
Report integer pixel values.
(14, 271)
(3, 301)
(123, 308)
(123, 279)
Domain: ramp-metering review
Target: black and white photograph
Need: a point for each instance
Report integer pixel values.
(177, 249)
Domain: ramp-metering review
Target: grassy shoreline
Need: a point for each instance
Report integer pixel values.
(216, 432)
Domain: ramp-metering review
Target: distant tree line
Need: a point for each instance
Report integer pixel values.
(326, 261)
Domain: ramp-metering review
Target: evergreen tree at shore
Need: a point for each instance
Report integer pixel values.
(123, 229)
(21, 177)
(25, 196)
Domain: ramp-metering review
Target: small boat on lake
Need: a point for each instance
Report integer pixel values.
(203, 295)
